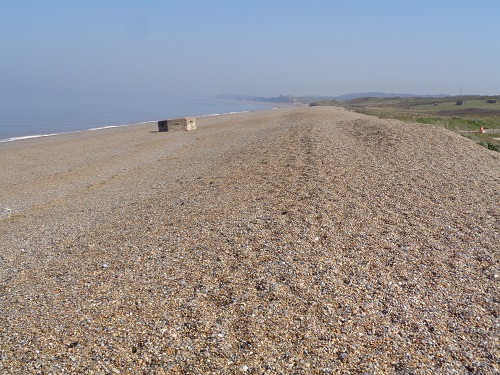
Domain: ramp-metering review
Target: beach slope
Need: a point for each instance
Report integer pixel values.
(299, 240)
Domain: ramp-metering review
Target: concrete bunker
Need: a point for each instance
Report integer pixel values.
(183, 123)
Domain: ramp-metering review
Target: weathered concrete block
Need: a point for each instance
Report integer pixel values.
(183, 123)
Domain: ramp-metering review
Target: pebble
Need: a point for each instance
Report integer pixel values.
(244, 368)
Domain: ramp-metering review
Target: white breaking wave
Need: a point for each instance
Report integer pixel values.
(20, 138)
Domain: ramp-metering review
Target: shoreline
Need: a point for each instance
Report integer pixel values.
(176, 103)
(20, 138)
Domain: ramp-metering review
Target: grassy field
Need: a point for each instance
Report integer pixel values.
(466, 119)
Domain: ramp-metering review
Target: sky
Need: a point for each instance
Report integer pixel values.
(201, 48)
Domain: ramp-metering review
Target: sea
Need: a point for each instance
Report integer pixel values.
(31, 116)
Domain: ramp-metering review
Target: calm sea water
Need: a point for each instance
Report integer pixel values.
(26, 116)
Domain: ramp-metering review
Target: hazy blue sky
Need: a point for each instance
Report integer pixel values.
(263, 47)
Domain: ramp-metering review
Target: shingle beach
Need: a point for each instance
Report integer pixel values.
(308, 240)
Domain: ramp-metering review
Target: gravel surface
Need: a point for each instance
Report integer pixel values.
(294, 241)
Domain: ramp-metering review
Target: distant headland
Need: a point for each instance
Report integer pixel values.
(316, 98)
